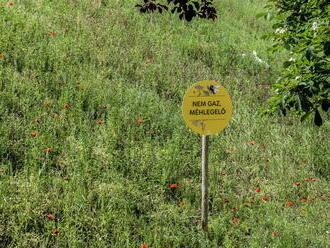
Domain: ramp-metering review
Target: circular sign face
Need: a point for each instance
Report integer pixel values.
(207, 107)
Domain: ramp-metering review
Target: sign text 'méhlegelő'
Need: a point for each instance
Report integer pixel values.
(212, 111)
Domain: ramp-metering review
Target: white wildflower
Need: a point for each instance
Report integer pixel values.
(259, 59)
(292, 59)
(315, 26)
(280, 31)
(256, 57)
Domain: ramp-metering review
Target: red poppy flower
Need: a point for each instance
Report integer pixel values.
(236, 220)
(144, 246)
(313, 179)
(304, 200)
(2, 55)
(251, 143)
(37, 120)
(50, 216)
(297, 183)
(289, 203)
(10, 3)
(58, 117)
(66, 105)
(56, 232)
(265, 198)
(274, 233)
(100, 122)
(34, 134)
(181, 204)
(252, 201)
(150, 60)
(258, 190)
(306, 179)
(47, 150)
(312, 199)
(174, 186)
(263, 147)
(225, 201)
(139, 121)
(52, 33)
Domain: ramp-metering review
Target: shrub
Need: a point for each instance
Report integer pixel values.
(302, 28)
(185, 8)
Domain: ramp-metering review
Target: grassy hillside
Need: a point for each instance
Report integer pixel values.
(92, 137)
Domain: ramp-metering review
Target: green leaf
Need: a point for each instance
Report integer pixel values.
(288, 46)
(261, 14)
(305, 116)
(318, 119)
(277, 86)
(297, 103)
(286, 64)
(309, 54)
(269, 16)
(196, 5)
(267, 6)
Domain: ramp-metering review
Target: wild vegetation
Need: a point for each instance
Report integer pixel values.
(94, 151)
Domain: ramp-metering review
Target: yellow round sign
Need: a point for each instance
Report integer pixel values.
(206, 107)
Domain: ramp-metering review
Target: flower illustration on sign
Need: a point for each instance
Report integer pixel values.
(199, 123)
(200, 91)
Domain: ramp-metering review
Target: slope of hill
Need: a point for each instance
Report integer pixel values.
(92, 138)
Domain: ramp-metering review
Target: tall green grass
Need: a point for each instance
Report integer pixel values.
(107, 184)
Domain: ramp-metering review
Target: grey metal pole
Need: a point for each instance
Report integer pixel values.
(205, 202)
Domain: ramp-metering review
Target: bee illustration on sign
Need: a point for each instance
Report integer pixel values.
(199, 123)
(203, 91)
(213, 88)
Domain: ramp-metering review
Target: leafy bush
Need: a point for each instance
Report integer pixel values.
(302, 28)
(186, 8)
